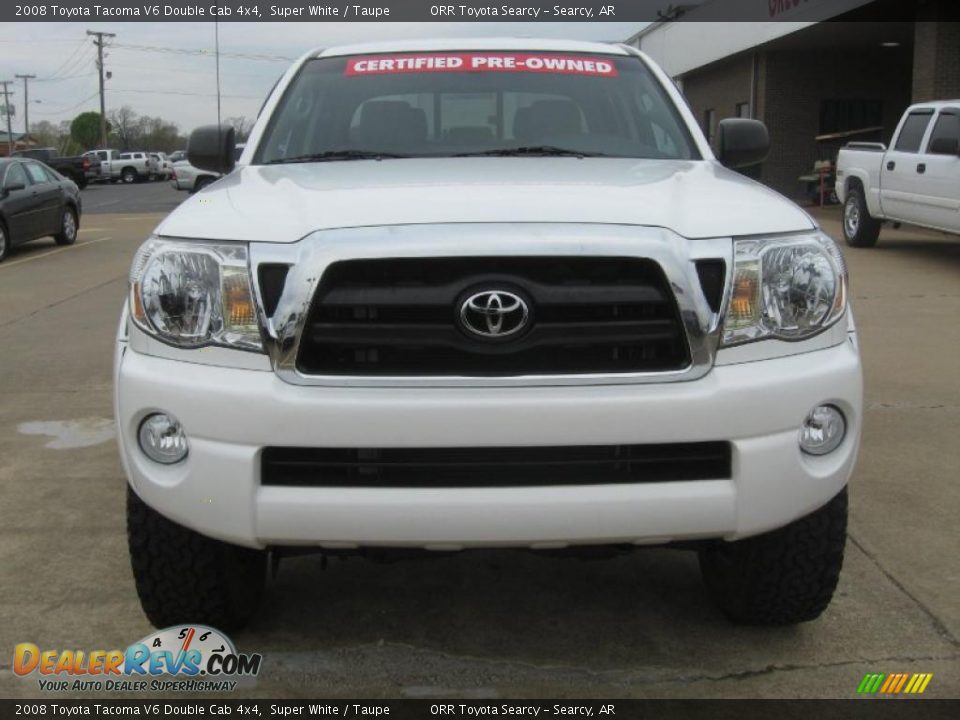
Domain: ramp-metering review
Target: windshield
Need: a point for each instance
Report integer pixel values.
(491, 103)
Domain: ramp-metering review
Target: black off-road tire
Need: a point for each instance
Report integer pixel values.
(782, 577)
(860, 229)
(5, 243)
(185, 577)
(129, 176)
(69, 227)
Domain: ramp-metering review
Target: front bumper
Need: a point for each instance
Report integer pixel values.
(230, 414)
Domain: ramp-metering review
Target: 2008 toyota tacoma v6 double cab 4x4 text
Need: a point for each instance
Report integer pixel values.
(497, 293)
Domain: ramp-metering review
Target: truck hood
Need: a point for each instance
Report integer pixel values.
(283, 203)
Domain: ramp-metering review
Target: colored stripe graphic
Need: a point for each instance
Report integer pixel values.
(870, 683)
(894, 683)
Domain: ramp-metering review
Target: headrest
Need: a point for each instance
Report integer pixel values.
(544, 118)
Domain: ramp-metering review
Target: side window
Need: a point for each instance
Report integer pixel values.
(914, 127)
(37, 174)
(15, 175)
(947, 128)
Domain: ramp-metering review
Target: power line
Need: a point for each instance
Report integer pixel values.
(68, 77)
(183, 92)
(72, 107)
(202, 52)
(81, 45)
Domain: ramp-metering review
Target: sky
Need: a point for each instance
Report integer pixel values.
(158, 71)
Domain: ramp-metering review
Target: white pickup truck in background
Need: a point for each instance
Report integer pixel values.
(916, 181)
(129, 167)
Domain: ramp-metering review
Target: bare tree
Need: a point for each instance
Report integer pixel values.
(241, 126)
(123, 123)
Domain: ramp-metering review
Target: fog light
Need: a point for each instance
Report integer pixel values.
(822, 430)
(162, 439)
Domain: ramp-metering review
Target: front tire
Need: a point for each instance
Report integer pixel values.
(185, 577)
(129, 176)
(860, 229)
(5, 243)
(68, 228)
(782, 577)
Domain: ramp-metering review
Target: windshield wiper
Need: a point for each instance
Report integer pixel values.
(330, 155)
(531, 150)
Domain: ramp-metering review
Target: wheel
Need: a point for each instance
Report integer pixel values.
(182, 576)
(859, 228)
(4, 242)
(129, 175)
(68, 227)
(783, 577)
(185, 577)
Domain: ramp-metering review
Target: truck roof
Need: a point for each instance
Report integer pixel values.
(468, 44)
(934, 105)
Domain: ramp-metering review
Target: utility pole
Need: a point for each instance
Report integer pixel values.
(26, 101)
(6, 110)
(103, 101)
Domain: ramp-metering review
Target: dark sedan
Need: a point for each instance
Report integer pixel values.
(36, 201)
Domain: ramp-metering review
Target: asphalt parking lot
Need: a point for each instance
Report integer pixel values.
(484, 624)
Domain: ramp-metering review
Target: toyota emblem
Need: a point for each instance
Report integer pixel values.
(494, 314)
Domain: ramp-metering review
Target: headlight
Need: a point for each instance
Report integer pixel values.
(192, 294)
(786, 288)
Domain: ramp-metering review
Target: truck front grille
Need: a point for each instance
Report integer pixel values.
(400, 317)
(494, 466)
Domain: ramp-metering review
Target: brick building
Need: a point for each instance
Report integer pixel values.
(819, 73)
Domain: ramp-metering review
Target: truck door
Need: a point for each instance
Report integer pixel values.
(940, 172)
(899, 187)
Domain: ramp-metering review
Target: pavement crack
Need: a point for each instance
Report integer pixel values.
(642, 676)
(906, 406)
(938, 624)
(789, 667)
(62, 301)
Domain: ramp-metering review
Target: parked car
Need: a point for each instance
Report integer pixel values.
(128, 167)
(73, 167)
(916, 181)
(503, 294)
(177, 156)
(163, 168)
(36, 201)
(185, 176)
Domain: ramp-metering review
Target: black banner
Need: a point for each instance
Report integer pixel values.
(464, 10)
(862, 709)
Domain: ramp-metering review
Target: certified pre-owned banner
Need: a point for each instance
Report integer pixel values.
(480, 62)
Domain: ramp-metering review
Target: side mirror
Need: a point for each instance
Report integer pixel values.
(945, 146)
(741, 142)
(10, 187)
(211, 148)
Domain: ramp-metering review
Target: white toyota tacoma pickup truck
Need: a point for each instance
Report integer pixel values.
(485, 293)
(916, 181)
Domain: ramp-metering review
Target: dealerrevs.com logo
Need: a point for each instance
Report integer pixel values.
(176, 659)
